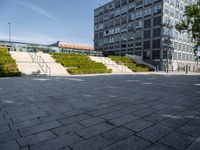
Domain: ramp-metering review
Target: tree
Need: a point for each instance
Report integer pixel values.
(191, 23)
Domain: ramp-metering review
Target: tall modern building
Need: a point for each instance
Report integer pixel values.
(145, 28)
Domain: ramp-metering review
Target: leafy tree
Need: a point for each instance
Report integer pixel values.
(191, 23)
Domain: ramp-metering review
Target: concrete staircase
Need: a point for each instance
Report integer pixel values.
(25, 64)
(111, 64)
(56, 68)
(29, 67)
(139, 60)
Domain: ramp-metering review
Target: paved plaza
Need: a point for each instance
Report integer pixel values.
(118, 112)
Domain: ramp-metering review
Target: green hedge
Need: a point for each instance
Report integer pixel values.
(81, 64)
(8, 67)
(130, 64)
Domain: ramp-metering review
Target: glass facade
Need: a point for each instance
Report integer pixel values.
(145, 28)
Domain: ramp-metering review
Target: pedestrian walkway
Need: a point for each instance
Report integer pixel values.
(118, 112)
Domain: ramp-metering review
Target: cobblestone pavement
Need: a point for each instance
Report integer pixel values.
(122, 112)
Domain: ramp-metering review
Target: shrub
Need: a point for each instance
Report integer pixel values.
(130, 64)
(8, 67)
(80, 64)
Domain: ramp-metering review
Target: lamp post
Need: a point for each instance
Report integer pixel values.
(9, 28)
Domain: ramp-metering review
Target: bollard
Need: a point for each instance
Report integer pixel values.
(186, 69)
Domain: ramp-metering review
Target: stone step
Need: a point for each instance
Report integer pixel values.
(111, 64)
(28, 67)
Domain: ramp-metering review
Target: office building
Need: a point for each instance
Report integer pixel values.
(145, 28)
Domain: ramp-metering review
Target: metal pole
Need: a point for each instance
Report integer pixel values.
(9, 25)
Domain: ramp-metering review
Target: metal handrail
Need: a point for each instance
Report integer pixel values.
(110, 62)
(43, 65)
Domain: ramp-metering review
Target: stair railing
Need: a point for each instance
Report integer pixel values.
(43, 65)
(116, 65)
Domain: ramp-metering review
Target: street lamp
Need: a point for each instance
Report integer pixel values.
(9, 27)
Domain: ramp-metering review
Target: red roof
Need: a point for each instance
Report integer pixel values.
(74, 46)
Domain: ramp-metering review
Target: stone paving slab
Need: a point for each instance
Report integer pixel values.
(119, 112)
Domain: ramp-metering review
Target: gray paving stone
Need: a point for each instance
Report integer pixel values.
(57, 143)
(73, 112)
(122, 120)
(131, 143)
(18, 114)
(143, 113)
(195, 145)
(67, 129)
(73, 119)
(159, 146)
(154, 118)
(4, 122)
(84, 145)
(177, 140)
(66, 148)
(39, 128)
(27, 117)
(165, 98)
(154, 133)
(117, 134)
(138, 125)
(7, 136)
(91, 121)
(174, 122)
(12, 145)
(36, 138)
(25, 148)
(99, 141)
(111, 115)
(25, 124)
(4, 129)
(190, 129)
(94, 130)
(100, 112)
(52, 117)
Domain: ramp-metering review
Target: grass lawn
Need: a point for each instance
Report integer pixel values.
(130, 64)
(80, 64)
(8, 67)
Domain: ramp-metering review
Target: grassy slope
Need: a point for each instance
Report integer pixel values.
(8, 67)
(81, 64)
(130, 64)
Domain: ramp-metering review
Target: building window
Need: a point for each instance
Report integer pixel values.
(147, 45)
(138, 25)
(138, 35)
(156, 43)
(147, 2)
(157, 9)
(139, 14)
(147, 23)
(124, 2)
(131, 17)
(155, 54)
(174, 56)
(124, 20)
(157, 21)
(117, 4)
(157, 32)
(147, 11)
(175, 45)
(147, 34)
(139, 4)
(146, 55)
(138, 45)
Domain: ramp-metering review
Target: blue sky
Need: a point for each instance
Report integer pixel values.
(47, 21)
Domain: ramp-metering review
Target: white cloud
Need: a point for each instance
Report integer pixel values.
(38, 10)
